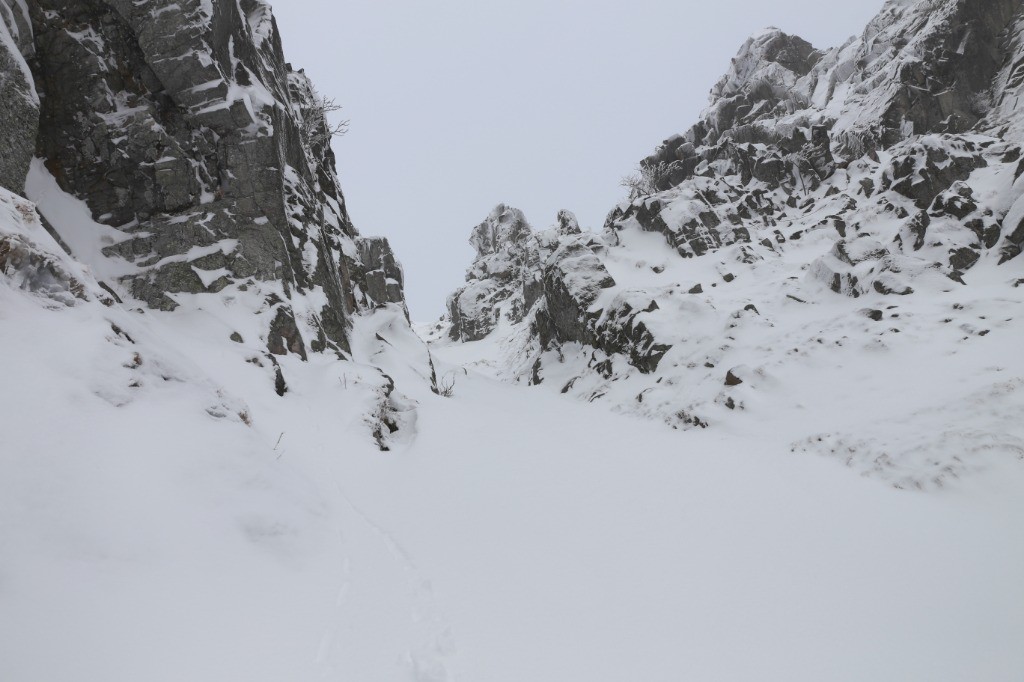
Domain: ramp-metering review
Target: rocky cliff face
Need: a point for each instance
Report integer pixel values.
(204, 157)
(171, 162)
(820, 190)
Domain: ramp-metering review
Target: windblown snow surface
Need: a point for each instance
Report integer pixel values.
(166, 517)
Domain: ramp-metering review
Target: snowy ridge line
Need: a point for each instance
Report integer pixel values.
(819, 208)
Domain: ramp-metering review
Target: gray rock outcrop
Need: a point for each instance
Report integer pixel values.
(552, 282)
(553, 275)
(933, 84)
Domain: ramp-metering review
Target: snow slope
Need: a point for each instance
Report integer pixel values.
(571, 544)
(150, 533)
(157, 525)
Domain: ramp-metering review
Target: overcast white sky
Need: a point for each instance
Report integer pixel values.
(458, 105)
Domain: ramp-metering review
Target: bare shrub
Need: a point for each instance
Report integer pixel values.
(645, 180)
(316, 127)
(446, 387)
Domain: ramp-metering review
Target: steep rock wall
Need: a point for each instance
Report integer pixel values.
(184, 129)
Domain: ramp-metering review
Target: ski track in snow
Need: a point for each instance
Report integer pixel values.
(427, 663)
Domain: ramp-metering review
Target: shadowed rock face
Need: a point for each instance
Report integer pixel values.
(19, 115)
(180, 123)
(957, 49)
